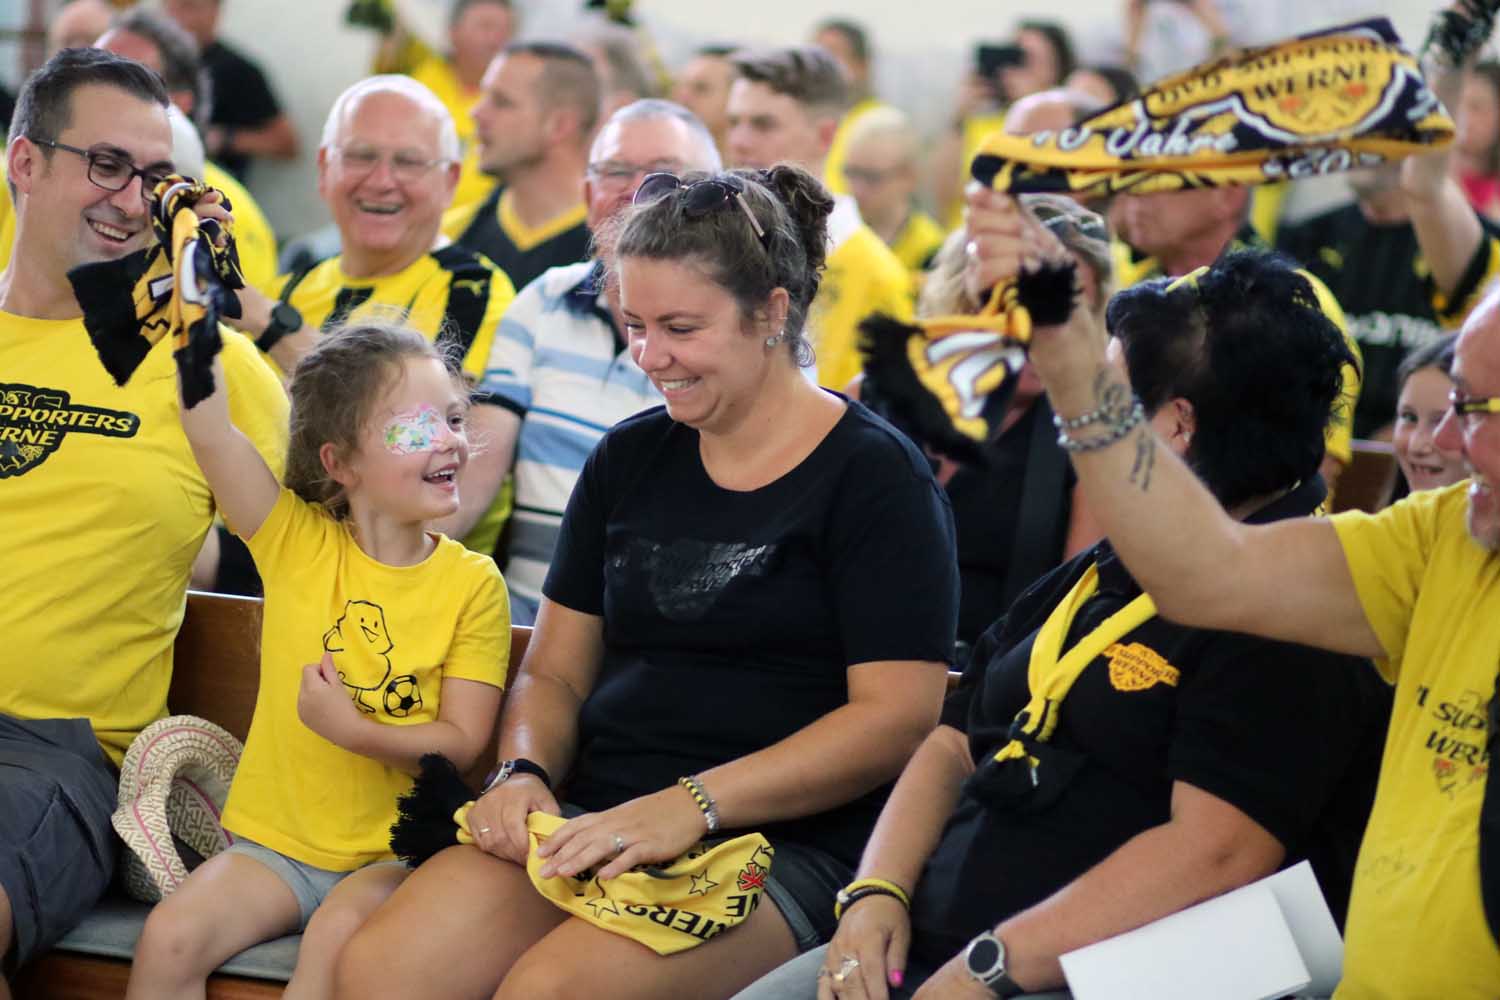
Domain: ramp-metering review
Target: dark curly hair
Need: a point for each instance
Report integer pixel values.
(790, 204)
(1247, 344)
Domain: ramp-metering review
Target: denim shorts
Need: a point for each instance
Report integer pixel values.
(57, 848)
(309, 884)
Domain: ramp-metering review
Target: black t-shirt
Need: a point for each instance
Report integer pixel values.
(522, 265)
(1289, 735)
(730, 617)
(987, 503)
(241, 97)
(1385, 289)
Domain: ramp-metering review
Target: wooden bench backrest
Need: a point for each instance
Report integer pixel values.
(216, 663)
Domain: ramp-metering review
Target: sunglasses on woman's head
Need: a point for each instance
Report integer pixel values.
(700, 197)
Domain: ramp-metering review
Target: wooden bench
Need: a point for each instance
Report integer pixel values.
(215, 675)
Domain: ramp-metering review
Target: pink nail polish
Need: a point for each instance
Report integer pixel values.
(896, 978)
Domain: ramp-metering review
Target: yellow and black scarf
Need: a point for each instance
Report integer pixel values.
(1337, 100)
(178, 287)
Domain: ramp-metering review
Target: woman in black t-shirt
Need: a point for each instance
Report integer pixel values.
(754, 590)
(1154, 765)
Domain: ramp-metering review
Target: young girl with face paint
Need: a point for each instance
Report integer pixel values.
(382, 641)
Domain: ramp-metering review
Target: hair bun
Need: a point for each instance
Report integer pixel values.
(809, 204)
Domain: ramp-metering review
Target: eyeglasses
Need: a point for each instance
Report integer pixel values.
(1471, 407)
(701, 197)
(618, 174)
(406, 166)
(111, 171)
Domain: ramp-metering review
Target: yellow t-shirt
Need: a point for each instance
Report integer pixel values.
(436, 72)
(976, 129)
(1131, 269)
(104, 510)
(253, 236)
(396, 632)
(1416, 923)
(838, 149)
(452, 295)
(862, 277)
(915, 245)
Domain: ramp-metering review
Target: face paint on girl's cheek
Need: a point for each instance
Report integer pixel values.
(412, 431)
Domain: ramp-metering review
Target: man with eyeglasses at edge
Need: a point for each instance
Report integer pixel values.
(1415, 587)
(387, 168)
(538, 105)
(104, 506)
(560, 364)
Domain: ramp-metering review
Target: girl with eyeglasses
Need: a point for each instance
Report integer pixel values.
(744, 628)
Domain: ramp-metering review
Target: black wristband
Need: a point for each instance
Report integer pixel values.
(285, 319)
(516, 765)
(860, 893)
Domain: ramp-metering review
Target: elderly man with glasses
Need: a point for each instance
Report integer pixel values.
(560, 365)
(387, 168)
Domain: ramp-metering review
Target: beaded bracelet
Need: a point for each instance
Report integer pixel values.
(1081, 421)
(860, 888)
(1117, 431)
(705, 801)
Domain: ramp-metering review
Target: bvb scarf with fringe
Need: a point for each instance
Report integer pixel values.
(178, 287)
(1337, 100)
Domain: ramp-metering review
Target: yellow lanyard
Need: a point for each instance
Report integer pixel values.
(1050, 676)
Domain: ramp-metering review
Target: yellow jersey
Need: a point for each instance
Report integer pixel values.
(1416, 924)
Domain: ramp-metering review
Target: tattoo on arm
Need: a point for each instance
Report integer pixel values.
(1145, 458)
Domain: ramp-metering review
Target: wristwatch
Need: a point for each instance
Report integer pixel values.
(985, 960)
(284, 320)
(516, 765)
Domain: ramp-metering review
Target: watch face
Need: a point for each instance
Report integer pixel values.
(984, 954)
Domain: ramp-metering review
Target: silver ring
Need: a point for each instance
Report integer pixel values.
(848, 965)
(619, 844)
(484, 829)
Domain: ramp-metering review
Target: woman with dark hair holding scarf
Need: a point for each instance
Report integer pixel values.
(745, 629)
(1100, 767)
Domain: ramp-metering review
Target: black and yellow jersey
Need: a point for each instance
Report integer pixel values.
(494, 229)
(453, 296)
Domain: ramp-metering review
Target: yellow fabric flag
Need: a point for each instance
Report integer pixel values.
(670, 908)
(178, 287)
(1337, 100)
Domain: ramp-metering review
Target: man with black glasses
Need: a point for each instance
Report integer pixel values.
(104, 505)
(560, 366)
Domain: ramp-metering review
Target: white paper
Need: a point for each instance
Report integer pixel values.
(1311, 924)
(1235, 947)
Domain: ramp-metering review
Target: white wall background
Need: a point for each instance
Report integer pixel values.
(923, 47)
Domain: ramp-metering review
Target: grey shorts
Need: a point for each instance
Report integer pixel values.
(309, 884)
(57, 848)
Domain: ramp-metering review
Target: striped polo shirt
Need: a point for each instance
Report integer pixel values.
(559, 363)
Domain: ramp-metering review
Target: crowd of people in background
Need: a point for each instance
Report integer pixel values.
(581, 350)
